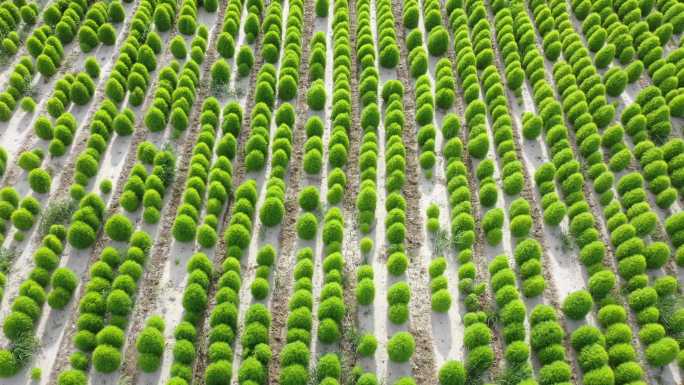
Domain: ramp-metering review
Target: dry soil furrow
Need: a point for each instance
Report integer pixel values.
(609, 259)
(352, 256)
(149, 287)
(550, 293)
(288, 232)
(478, 247)
(58, 191)
(73, 59)
(139, 136)
(423, 359)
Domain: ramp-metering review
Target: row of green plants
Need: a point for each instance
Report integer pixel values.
(78, 89)
(508, 47)
(205, 181)
(365, 290)
(12, 14)
(42, 44)
(19, 325)
(439, 283)
(366, 200)
(223, 320)
(649, 108)
(256, 352)
(313, 147)
(629, 249)
(512, 315)
(479, 356)
(221, 172)
(98, 28)
(9, 203)
(586, 340)
(401, 344)
(227, 39)
(200, 272)
(150, 344)
(675, 99)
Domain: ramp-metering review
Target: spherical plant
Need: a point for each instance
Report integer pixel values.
(106, 34)
(452, 373)
(22, 219)
(441, 301)
(577, 304)
(178, 48)
(309, 198)
(72, 377)
(365, 291)
(662, 352)
(272, 211)
(259, 288)
(8, 364)
(119, 228)
(307, 225)
(315, 96)
(220, 72)
(27, 104)
(329, 331)
(184, 228)
(245, 60)
(400, 347)
(367, 345)
(206, 236)
(438, 41)
(218, 373)
(106, 359)
(39, 180)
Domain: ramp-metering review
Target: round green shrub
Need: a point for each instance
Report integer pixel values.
(177, 47)
(106, 359)
(438, 41)
(441, 301)
(8, 364)
(307, 225)
(184, 228)
(400, 347)
(72, 377)
(106, 34)
(577, 304)
(271, 212)
(119, 228)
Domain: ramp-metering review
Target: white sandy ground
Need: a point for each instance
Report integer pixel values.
(24, 261)
(447, 328)
(52, 330)
(376, 314)
(261, 235)
(19, 130)
(670, 374)
(173, 278)
(321, 182)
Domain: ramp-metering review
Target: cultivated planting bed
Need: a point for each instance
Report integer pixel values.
(357, 192)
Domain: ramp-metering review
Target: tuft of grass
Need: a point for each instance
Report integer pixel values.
(24, 348)
(56, 213)
(6, 258)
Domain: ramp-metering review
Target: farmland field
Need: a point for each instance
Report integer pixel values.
(356, 192)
